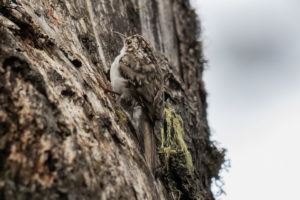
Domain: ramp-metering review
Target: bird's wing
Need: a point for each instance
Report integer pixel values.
(130, 69)
(144, 79)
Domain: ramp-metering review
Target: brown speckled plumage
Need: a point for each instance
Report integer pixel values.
(143, 74)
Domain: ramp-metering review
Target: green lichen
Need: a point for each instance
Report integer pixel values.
(172, 143)
(121, 114)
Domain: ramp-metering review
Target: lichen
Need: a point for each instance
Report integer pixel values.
(121, 114)
(172, 142)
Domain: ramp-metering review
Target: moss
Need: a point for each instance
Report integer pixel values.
(121, 114)
(172, 142)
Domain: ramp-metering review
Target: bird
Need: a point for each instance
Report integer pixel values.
(137, 76)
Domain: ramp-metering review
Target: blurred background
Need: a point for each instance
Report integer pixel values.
(253, 81)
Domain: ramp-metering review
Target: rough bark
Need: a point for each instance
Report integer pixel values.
(63, 137)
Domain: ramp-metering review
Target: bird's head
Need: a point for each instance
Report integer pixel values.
(136, 43)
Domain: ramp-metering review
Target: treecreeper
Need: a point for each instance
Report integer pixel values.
(136, 75)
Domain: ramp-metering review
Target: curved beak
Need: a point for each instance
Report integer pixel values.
(121, 35)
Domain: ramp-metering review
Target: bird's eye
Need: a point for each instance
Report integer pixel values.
(129, 42)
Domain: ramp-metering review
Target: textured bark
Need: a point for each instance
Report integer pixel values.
(61, 135)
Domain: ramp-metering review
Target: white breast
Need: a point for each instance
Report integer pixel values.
(117, 82)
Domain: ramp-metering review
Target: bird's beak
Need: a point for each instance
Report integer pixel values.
(121, 35)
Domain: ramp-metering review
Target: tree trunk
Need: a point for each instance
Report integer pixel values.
(63, 137)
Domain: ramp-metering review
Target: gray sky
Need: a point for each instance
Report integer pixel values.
(253, 81)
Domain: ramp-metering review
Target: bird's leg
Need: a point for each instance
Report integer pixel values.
(106, 90)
